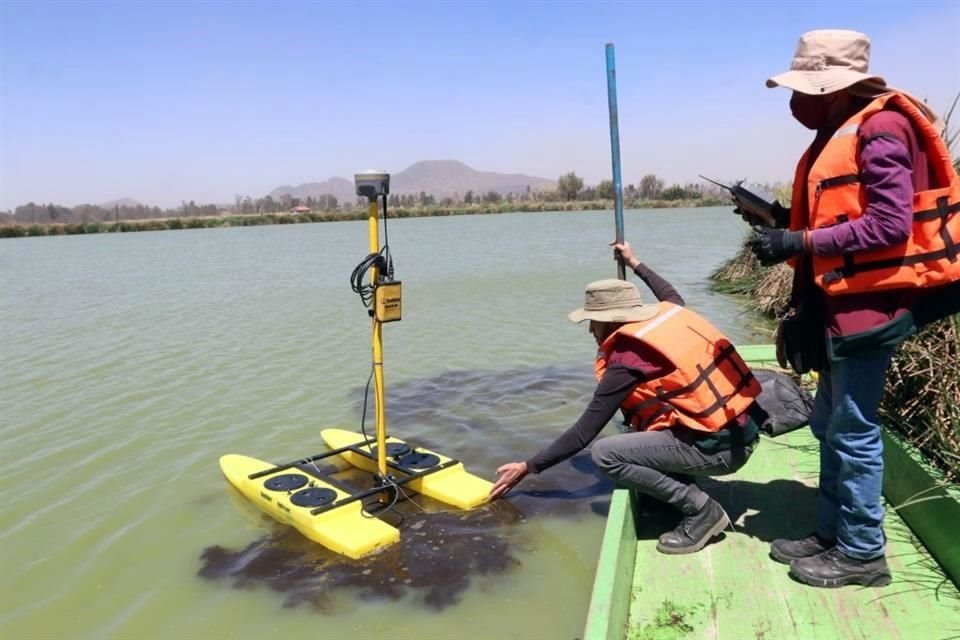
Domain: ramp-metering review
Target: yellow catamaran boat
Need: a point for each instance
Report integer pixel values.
(296, 493)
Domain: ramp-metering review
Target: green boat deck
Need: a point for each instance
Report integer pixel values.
(732, 589)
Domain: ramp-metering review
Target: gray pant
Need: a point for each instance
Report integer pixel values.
(662, 464)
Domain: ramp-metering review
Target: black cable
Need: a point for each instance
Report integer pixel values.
(386, 241)
(373, 512)
(359, 274)
(363, 415)
(382, 260)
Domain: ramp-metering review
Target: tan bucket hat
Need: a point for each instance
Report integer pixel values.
(828, 60)
(613, 301)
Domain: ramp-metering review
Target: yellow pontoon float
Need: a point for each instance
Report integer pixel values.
(323, 510)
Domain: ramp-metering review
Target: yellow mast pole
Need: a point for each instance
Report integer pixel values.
(373, 225)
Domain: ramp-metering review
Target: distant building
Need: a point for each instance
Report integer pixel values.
(300, 209)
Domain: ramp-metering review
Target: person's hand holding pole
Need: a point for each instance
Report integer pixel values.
(623, 252)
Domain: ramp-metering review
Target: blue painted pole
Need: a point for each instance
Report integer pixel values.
(615, 152)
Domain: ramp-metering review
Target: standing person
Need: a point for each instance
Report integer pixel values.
(680, 384)
(873, 230)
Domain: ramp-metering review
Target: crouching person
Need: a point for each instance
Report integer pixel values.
(687, 395)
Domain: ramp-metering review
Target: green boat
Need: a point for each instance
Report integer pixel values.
(733, 590)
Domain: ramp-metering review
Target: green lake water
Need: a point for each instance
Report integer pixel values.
(131, 362)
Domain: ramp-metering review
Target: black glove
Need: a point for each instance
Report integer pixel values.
(772, 246)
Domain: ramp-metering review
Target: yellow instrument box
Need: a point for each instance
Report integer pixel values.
(387, 298)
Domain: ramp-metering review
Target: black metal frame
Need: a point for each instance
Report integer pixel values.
(369, 492)
(319, 456)
(410, 474)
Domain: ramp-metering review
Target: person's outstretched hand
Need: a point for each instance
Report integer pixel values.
(622, 249)
(510, 475)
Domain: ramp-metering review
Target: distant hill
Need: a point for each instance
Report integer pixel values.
(444, 178)
(122, 202)
(440, 178)
(340, 188)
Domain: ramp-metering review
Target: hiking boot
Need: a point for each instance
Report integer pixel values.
(786, 551)
(695, 530)
(648, 505)
(833, 568)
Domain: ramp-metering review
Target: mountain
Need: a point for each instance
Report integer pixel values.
(340, 188)
(440, 178)
(443, 178)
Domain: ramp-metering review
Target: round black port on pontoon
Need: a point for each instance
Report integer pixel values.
(285, 482)
(313, 497)
(414, 460)
(394, 449)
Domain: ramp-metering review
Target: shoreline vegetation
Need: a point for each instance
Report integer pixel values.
(569, 193)
(229, 219)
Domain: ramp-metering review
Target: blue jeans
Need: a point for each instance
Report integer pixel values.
(844, 420)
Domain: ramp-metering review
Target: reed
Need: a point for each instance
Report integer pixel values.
(766, 290)
(922, 397)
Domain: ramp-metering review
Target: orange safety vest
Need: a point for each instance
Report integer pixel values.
(709, 386)
(835, 195)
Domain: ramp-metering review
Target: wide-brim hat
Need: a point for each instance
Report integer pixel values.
(826, 61)
(613, 301)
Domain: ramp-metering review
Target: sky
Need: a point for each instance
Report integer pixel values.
(172, 101)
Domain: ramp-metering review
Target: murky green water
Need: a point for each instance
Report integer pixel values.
(131, 362)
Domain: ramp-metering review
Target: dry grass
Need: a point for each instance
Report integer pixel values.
(767, 290)
(922, 398)
(738, 270)
(772, 295)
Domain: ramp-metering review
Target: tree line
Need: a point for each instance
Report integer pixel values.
(569, 187)
(650, 187)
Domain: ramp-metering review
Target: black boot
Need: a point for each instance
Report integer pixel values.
(648, 505)
(786, 551)
(833, 568)
(695, 530)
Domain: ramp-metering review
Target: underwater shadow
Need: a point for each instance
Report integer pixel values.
(484, 418)
(441, 553)
(582, 463)
(436, 560)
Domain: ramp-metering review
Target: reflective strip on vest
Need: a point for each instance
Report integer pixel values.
(846, 131)
(656, 322)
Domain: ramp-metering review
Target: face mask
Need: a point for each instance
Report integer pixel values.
(810, 111)
(601, 330)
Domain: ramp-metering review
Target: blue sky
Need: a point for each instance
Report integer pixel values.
(172, 101)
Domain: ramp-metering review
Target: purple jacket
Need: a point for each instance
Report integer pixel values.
(888, 155)
(892, 168)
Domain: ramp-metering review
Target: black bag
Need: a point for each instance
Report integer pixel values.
(786, 402)
(802, 335)
(801, 340)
